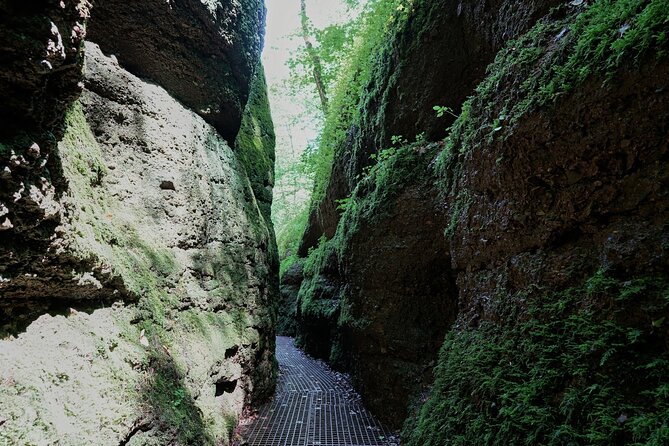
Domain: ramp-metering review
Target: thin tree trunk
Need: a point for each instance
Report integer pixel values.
(294, 173)
(315, 60)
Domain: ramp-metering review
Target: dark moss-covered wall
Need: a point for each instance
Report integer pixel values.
(435, 58)
(585, 365)
(255, 143)
(546, 208)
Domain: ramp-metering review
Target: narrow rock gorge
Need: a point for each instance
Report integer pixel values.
(139, 267)
(485, 251)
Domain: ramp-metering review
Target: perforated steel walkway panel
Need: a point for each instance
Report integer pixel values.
(313, 406)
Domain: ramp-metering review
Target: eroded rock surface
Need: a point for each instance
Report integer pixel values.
(394, 272)
(560, 252)
(145, 315)
(202, 52)
(41, 75)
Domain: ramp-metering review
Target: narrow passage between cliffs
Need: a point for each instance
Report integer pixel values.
(313, 406)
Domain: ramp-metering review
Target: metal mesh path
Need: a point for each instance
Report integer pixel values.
(313, 406)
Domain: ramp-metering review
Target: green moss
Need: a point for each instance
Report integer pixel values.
(102, 233)
(381, 185)
(4, 150)
(356, 74)
(82, 155)
(375, 195)
(287, 262)
(166, 390)
(97, 229)
(255, 143)
(585, 366)
(172, 404)
(553, 58)
(459, 208)
(145, 267)
(372, 199)
(289, 236)
(315, 298)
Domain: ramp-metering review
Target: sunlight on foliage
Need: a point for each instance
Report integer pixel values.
(348, 53)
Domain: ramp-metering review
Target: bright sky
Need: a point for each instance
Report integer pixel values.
(296, 124)
(283, 21)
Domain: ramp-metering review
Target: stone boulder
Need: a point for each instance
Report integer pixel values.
(157, 207)
(203, 52)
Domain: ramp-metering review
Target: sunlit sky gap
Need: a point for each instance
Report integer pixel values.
(283, 23)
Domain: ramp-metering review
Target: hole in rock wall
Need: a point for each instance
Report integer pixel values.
(225, 387)
(232, 351)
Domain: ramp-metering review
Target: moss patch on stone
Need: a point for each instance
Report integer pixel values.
(96, 227)
(321, 296)
(560, 52)
(380, 186)
(147, 270)
(315, 297)
(587, 365)
(255, 143)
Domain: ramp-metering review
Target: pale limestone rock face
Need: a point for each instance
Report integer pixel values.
(203, 52)
(165, 215)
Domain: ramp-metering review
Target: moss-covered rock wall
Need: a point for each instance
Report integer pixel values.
(147, 314)
(451, 40)
(545, 207)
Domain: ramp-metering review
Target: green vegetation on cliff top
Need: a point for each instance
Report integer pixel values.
(365, 36)
(379, 18)
(556, 55)
(572, 44)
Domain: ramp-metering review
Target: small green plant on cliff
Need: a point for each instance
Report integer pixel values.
(444, 110)
(343, 203)
(556, 55)
(170, 404)
(585, 366)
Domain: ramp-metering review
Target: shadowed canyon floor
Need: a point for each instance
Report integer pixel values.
(313, 406)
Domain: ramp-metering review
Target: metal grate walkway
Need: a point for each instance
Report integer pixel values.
(313, 406)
